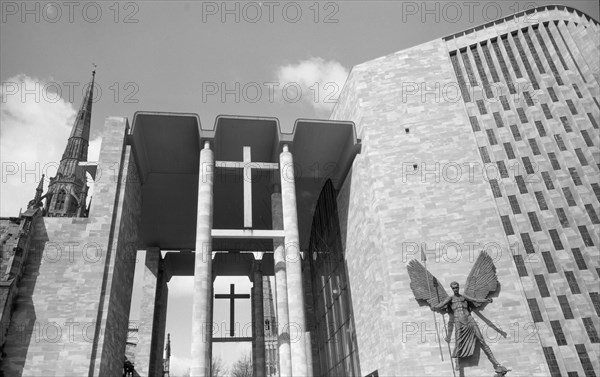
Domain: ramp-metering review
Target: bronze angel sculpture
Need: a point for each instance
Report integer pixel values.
(481, 282)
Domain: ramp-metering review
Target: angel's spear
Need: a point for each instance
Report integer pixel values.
(424, 259)
(435, 285)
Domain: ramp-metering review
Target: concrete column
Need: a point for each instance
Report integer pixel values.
(201, 318)
(253, 327)
(283, 337)
(160, 318)
(259, 318)
(309, 356)
(211, 302)
(153, 316)
(293, 264)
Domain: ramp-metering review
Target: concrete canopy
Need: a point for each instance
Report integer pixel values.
(166, 148)
(224, 264)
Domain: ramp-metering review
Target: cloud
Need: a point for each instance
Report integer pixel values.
(179, 366)
(229, 353)
(34, 131)
(35, 127)
(94, 149)
(181, 286)
(319, 82)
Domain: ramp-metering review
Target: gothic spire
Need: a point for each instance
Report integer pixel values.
(168, 347)
(81, 127)
(38, 195)
(67, 191)
(77, 146)
(40, 189)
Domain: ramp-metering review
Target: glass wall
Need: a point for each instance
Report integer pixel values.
(335, 335)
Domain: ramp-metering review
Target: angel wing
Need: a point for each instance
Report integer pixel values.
(424, 285)
(482, 279)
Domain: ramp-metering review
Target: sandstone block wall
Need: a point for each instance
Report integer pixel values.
(71, 315)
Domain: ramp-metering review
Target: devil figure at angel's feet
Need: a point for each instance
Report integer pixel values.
(500, 371)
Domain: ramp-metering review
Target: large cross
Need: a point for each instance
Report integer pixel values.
(247, 165)
(231, 296)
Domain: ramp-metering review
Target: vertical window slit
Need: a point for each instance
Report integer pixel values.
(459, 75)
(490, 62)
(549, 262)
(570, 53)
(503, 67)
(565, 306)
(551, 361)
(520, 264)
(525, 61)
(468, 67)
(542, 287)
(481, 71)
(554, 44)
(549, 57)
(535, 310)
(536, 57)
(511, 56)
(579, 260)
(540, 128)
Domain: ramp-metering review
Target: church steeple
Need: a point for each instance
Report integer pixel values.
(77, 145)
(67, 191)
(167, 358)
(36, 201)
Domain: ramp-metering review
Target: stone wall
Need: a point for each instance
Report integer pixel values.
(562, 51)
(71, 315)
(418, 181)
(15, 242)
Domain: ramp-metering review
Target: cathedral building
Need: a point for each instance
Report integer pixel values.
(481, 142)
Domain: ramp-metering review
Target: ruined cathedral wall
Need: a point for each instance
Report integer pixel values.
(74, 298)
(417, 183)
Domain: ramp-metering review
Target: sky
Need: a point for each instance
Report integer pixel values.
(281, 59)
